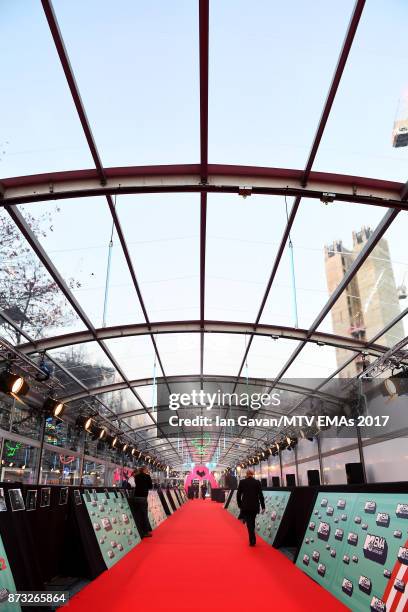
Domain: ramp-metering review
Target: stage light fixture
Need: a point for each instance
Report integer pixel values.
(13, 383)
(125, 447)
(103, 433)
(397, 384)
(115, 442)
(54, 407)
(85, 422)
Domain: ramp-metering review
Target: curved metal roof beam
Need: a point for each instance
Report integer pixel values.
(164, 327)
(222, 178)
(144, 382)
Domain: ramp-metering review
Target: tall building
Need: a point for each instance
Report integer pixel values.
(400, 129)
(369, 302)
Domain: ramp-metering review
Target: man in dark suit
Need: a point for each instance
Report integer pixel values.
(249, 499)
(143, 484)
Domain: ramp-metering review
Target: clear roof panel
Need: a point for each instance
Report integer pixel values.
(135, 355)
(317, 230)
(395, 334)
(28, 294)
(80, 252)
(138, 421)
(40, 127)
(59, 372)
(243, 236)
(162, 232)
(358, 137)
(146, 112)
(223, 353)
(145, 392)
(258, 74)
(314, 362)
(148, 434)
(88, 363)
(266, 356)
(378, 293)
(120, 401)
(180, 353)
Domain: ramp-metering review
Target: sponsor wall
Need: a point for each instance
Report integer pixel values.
(356, 546)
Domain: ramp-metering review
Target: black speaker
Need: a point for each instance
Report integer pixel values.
(313, 477)
(264, 482)
(354, 473)
(275, 481)
(290, 480)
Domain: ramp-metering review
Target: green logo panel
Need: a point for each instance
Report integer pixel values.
(6, 583)
(233, 506)
(113, 524)
(356, 546)
(267, 524)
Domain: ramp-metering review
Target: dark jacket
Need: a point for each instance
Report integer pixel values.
(249, 495)
(143, 484)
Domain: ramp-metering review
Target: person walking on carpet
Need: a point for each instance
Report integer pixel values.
(250, 499)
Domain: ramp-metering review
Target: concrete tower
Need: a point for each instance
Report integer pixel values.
(369, 302)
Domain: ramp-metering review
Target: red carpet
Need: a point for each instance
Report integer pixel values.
(199, 559)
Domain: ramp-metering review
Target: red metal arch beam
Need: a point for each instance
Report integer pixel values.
(232, 327)
(221, 178)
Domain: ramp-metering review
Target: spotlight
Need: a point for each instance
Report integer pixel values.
(134, 452)
(108, 439)
(13, 383)
(54, 407)
(395, 385)
(389, 388)
(125, 447)
(85, 422)
(115, 442)
(103, 434)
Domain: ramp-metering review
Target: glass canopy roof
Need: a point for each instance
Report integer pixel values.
(200, 192)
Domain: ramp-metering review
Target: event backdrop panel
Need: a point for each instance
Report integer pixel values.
(228, 495)
(113, 525)
(233, 506)
(165, 502)
(170, 501)
(6, 582)
(174, 498)
(267, 524)
(156, 511)
(356, 546)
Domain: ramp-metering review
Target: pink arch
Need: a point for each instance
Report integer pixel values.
(201, 472)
